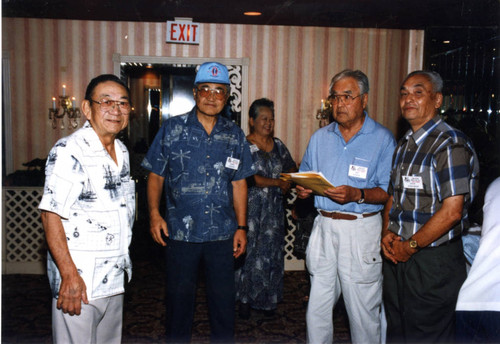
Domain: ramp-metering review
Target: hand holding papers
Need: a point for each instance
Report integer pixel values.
(309, 180)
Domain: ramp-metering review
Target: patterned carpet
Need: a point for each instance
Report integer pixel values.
(26, 307)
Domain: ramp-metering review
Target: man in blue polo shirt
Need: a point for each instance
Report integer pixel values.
(343, 255)
(201, 160)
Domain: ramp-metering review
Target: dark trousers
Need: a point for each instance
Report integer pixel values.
(478, 327)
(420, 295)
(182, 266)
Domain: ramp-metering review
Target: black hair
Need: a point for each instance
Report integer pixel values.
(104, 78)
(253, 112)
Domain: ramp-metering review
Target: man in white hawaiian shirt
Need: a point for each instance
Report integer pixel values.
(88, 210)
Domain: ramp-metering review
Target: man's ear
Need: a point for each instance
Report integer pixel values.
(86, 109)
(364, 100)
(438, 100)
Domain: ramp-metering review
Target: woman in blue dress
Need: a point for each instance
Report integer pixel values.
(259, 280)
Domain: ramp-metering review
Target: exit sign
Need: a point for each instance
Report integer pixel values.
(181, 31)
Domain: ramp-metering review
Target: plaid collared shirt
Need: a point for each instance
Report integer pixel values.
(443, 163)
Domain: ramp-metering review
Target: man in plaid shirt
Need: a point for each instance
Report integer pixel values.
(433, 181)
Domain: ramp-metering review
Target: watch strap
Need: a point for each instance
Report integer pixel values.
(362, 199)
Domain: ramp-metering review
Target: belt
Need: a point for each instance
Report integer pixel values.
(342, 216)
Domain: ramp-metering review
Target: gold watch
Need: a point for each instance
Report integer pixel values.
(414, 244)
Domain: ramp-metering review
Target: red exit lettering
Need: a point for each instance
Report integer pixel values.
(183, 32)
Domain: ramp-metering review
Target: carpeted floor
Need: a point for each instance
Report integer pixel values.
(26, 303)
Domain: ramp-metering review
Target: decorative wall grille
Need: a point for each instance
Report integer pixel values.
(24, 248)
(291, 262)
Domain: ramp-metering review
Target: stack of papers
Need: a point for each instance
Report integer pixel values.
(315, 181)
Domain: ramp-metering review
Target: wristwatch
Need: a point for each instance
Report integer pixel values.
(414, 244)
(362, 199)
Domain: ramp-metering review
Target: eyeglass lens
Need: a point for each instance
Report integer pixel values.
(345, 98)
(217, 92)
(107, 104)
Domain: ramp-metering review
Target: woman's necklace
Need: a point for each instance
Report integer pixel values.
(265, 145)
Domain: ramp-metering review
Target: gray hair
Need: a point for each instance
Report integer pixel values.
(358, 75)
(433, 77)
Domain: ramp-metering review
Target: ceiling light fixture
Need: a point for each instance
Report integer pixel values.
(251, 13)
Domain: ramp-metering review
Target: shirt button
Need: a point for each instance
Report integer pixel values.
(208, 156)
(206, 212)
(208, 174)
(206, 192)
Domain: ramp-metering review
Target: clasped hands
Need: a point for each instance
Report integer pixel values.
(394, 248)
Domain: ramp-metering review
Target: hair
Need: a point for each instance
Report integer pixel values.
(434, 78)
(99, 80)
(253, 112)
(358, 75)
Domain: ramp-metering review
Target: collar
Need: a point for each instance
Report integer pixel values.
(368, 126)
(420, 135)
(221, 124)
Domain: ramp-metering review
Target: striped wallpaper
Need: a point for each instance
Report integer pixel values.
(291, 65)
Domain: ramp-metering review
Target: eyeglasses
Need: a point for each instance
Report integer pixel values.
(347, 99)
(108, 104)
(219, 93)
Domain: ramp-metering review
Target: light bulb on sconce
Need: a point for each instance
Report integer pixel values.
(325, 113)
(68, 108)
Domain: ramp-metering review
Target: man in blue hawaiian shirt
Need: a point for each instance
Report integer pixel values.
(201, 160)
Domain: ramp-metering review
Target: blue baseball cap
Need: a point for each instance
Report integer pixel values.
(212, 72)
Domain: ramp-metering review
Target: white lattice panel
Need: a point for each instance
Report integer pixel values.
(24, 248)
(291, 262)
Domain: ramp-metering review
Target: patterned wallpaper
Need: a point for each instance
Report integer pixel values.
(291, 65)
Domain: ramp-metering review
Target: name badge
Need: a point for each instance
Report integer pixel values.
(253, 148)
(413, 182)
(358, 171)
(232, 163)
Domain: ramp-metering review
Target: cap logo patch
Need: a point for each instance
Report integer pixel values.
(214, 71)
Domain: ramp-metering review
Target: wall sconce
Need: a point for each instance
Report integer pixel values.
(69, 110)
(325, 113)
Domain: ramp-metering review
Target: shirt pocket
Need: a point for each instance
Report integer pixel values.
(423, 197)
(359, 171)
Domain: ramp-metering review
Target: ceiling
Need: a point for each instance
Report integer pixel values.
(395, 14)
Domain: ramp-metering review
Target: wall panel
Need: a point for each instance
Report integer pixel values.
(291, 65)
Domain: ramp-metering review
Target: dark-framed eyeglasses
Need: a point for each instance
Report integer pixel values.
(108, 104)
(205, 91)
(347, 99)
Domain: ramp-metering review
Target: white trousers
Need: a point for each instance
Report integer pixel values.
(343, 256)
(99, 322)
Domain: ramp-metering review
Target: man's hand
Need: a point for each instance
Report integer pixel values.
(239, 242)
(388, 239)
(71, 294)
(157, 226)
(402, 250)
(284, 186)
(302, 192)
(343, 194)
